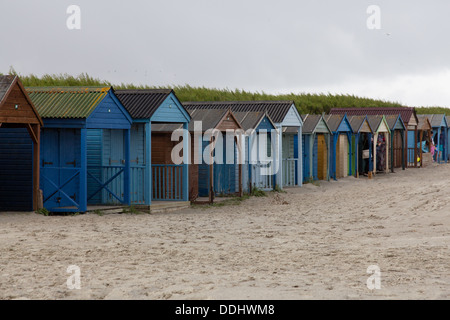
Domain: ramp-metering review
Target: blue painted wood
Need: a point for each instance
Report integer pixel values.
(148, 180)
(171, 110)
(60, 168)
(64, 123)
(16, 174)
(83, 170)
(186, 158)
(305, 152)
(203, 175)
(411, 139)
(126, 178)
(94, 162)
(315, 159)
(265, 124)
(109, 114)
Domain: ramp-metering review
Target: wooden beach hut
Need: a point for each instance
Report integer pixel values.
(397, 151)
(362, 147)
(425, 136)
(73, 174)
(341, 160)
(448, 140)
(409, 118)
(155, 178)
(381, 143)
(440, 136)
(257, 172)
(288, 123)
(221, 174)
(316, 137)
(20, 126)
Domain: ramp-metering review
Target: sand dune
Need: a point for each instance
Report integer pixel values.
(314, 242)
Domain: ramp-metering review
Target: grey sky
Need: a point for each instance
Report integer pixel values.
(257, 45)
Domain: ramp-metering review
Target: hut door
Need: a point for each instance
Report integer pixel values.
(397, 142)
(342, 156)
(60, 167)
(322, 156)
(113, 166)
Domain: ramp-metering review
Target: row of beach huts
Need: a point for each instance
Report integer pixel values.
(75, 149)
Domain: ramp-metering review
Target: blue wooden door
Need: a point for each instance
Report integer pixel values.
(315, 159)
(113, 166)
(225, 174)
(137, 158)
(60, 168)
(305, 153)
(203, 174)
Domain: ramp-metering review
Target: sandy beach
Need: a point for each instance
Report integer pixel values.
(314, 242)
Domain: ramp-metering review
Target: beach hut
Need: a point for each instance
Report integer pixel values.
(341, 151)
(73, 174)
(440, 136)
(361, 145)
(288, 123)
(257, 172)
(409, 118)
(221, 174)
(316, 143)
(398, 130)
(425, 137)
(381, 143)
(155, 178)
(448, 136)
(20, 126)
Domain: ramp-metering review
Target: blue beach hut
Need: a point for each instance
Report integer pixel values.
(257, 172)
(440, 136)
(155, 178)
(289, 125)
(73, 174)
(362, 149)
(316, 137)
(341, 160)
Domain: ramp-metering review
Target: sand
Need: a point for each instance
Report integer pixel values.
(314, 242)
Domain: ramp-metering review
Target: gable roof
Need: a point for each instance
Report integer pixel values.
(310, 122)
(251, 119)
(405, 112)
(7, 83)
(277, 110)
(143, 103)
(436, 119)
(356, 122)
(67, 102)
(335, 120)
(392, 121)
(424, 122)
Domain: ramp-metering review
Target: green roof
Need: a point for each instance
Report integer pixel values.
(66, 102)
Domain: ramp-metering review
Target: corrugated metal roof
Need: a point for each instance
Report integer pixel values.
(5, 83)
(435, 119)
(142, 104)
(277, 110)
(405, 112)
(310, 122)
(356, 122)
(66, 102)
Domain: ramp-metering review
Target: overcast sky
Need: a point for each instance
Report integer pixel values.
(257, 45)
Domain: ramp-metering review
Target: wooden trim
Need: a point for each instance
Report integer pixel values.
(36, 175)
(234, 118)
(5, 97)
(32, 133)
(19, 83)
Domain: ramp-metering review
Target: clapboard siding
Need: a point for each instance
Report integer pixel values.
(109, 114)
(94, 162)
(170, 111)
(16, 170)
